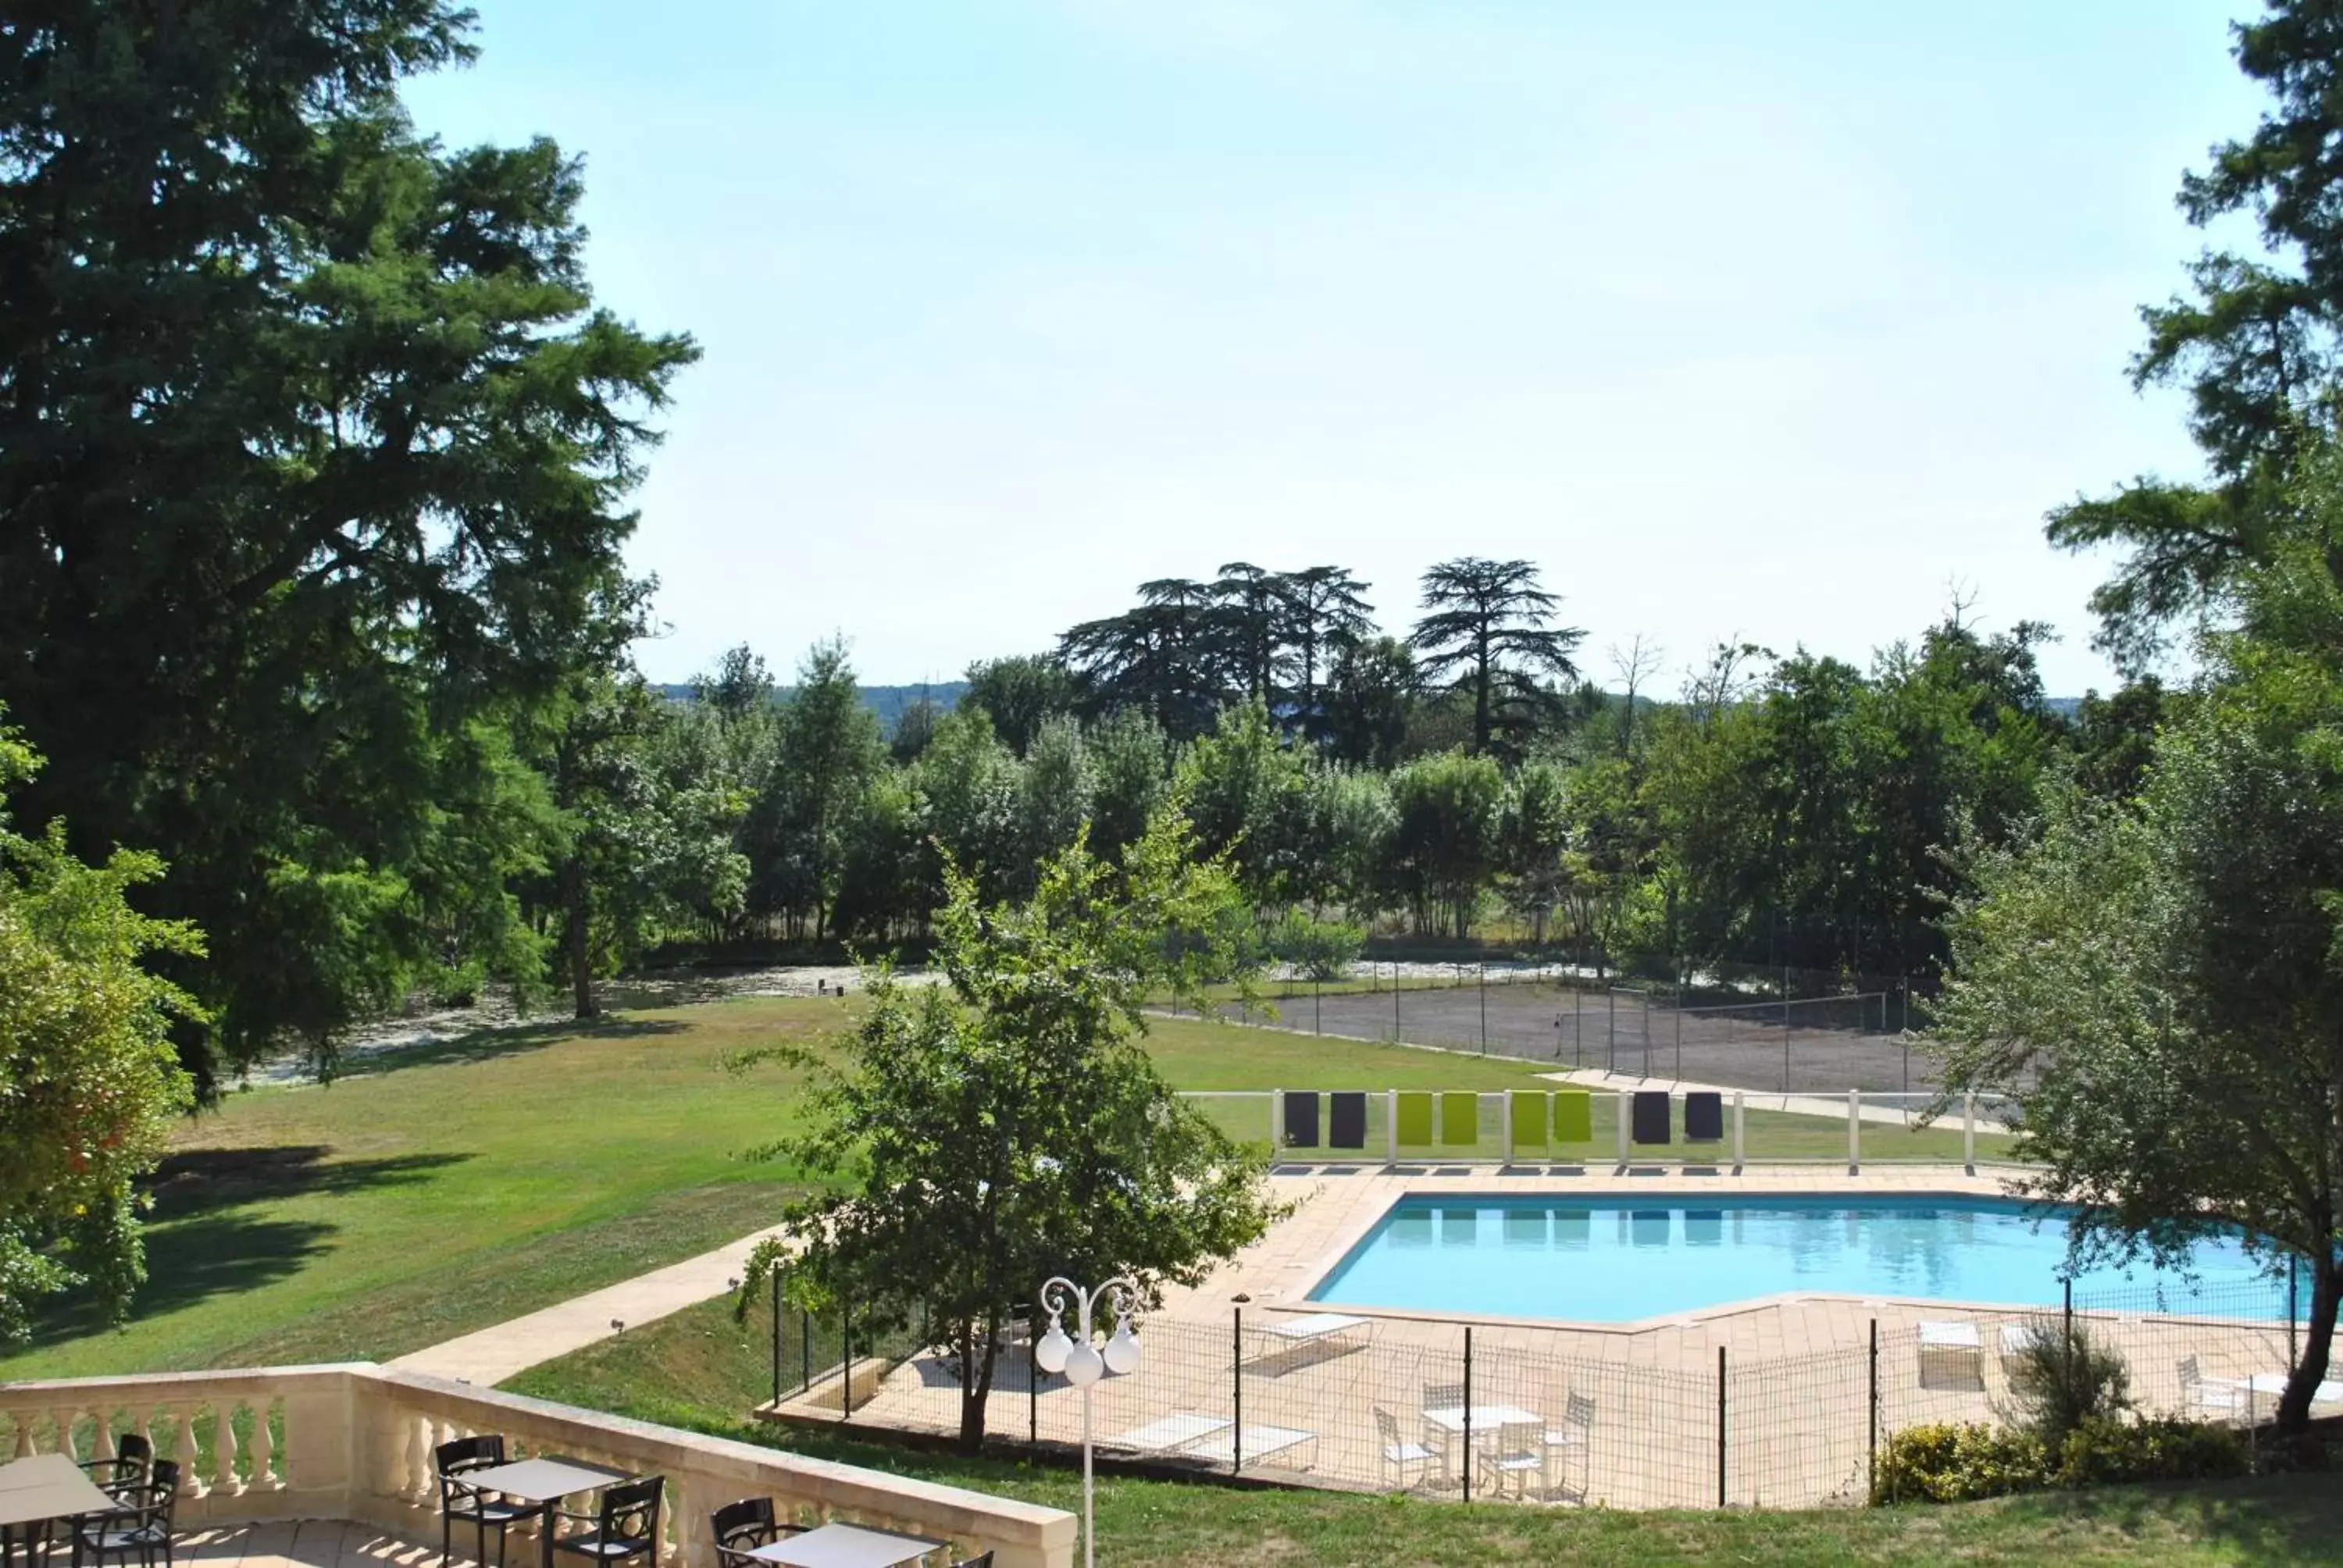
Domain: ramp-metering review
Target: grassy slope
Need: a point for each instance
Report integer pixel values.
(698, 1370)
(449, 1189)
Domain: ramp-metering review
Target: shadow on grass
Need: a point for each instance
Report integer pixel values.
(191, 1261)
(197, 1181)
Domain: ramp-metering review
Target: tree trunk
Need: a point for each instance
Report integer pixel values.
(980, 1350)
(2317, 1345)
(577, 911)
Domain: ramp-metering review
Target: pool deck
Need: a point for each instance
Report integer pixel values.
(1801, 1396)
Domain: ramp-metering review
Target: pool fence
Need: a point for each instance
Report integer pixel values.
(1496, 1411)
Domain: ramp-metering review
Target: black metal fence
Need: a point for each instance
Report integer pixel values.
(1694, 1416)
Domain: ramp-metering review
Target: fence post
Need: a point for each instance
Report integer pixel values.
(1854, 1130)
(1679, 1035)
(1484, 1008)
(1871, 1469)
(846, 1360)
(2293, 1311)
(777, 1333)
(2067, 1314)
(1467, 1467)
(1318, 1010)
(1740, 1143)
(1395, 1024)
(1032, 1391)
(1720, 1426)
(1969, 1131)
(1611, 1025)
(1236, 1389)
(805, 1351)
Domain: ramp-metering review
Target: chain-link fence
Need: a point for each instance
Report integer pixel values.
(1755, 1039)
(1517, 1412)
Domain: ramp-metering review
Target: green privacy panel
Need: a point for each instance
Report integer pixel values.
(1529, 1118)
(1414, 1119)
(1574, 1116)
(1460, 1118)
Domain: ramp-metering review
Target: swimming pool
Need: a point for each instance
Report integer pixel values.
(1619, 1258)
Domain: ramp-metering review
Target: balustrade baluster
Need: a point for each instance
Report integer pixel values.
(224, 1480)
(264, 1448)
(183, 1449)
(63, 1420)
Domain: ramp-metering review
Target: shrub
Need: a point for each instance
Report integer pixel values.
(1962, 1463)
(2066, 1377)
(2102, 1450)
(1317, 949)
(1956, 1464)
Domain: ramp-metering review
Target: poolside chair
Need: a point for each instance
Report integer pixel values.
(1443, 1443)
(626, 1526)
(1506, 1459)
(1396, 1453)
(741, 1527)
(1575, 1435)
(461, 1502)
(2218, 1396)
(142, 1530)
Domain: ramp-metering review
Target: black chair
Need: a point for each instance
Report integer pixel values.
(741, 1527)
(462, 1502)
(626, 1526)
(126, 1471)
(983, 1560)
(142, 1527)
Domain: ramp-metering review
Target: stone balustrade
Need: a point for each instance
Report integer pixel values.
(355, 1441)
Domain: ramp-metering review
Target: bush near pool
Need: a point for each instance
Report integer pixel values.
(1961, 1464)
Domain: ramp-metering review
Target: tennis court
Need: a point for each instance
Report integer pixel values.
(1816, 1045)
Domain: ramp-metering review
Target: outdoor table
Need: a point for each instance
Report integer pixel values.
(44, 1488)
(1485, 1418)
(836, 1545)
(2274, 1385)
(544, 1480)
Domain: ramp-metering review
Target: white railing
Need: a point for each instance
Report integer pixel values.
(355, 1441)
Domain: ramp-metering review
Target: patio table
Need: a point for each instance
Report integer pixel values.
(43, 1489)
(545, 1481)
(836, 1545)
(1486, 1418)
(2274, 1383)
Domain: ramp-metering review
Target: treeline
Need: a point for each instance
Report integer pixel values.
(1790, 811)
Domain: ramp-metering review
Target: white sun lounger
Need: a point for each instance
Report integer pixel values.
(1172, 1433)
(1262, 1444)
(2018, 1341)
(1284, 1336)
(1954, 1345)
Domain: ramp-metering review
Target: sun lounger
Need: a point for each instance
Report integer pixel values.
(1316, 1328)
(1262, 1445)
(1169, 1435)
(2019, 1340)
(1954, 1347)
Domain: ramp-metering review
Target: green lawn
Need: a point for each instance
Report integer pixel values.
(698, 1370)
(445, 1190)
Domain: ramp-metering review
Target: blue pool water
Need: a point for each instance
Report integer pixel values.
(1618, 1258)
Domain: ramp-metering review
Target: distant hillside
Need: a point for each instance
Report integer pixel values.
(887, 701)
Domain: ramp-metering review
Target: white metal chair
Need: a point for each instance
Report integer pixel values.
(1441, 1396)
(1396, 1453)
(1574, 1435)
(2220, 1396)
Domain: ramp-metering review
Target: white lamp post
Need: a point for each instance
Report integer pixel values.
(1082, 1364)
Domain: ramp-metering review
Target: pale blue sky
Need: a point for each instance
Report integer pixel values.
(1764, 321)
